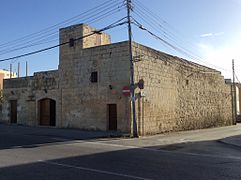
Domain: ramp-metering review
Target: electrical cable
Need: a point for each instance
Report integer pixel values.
(236, 77)
(181, 49)
(90, 17)
(180, 59)
(109, 13)
(165, 34)
(48, 29)
(159, 20)
(10, 50)
(142, 10)
(58, 45)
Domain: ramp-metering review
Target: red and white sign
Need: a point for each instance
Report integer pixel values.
(126, 91)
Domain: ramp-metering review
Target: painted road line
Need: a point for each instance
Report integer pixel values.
(93, 170)
(159, 150)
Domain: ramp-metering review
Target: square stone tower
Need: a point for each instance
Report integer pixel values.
(71, 54)
(80, 30)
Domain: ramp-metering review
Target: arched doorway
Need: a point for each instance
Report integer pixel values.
(47, 112)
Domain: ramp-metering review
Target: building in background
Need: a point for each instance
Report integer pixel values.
(238, 97)
(5, 74)
(235, 103)
(90, 89)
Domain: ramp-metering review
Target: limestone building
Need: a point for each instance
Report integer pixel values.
(86, 90)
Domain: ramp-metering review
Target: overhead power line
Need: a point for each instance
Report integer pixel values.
(46, 39)
(236, 77)
(166, 27)
(166, 35)
(169, 34)
(140, 26)
(113, 25)
(91, 18)
(178, 49)
(175, 48)
(107, 4)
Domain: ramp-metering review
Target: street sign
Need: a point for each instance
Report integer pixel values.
(126, 91)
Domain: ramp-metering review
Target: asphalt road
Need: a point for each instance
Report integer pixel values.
(29, 153)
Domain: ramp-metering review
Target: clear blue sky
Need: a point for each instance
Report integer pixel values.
(210, 30)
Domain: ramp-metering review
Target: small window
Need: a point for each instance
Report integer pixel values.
(94, 77)
(71, 42)
(187, 82)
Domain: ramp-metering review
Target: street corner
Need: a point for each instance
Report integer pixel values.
(233, 141)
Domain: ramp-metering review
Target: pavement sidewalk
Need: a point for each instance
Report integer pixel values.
(228, 135)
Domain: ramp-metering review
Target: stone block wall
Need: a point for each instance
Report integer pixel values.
(28, 91)
(179, 95)
(97, 39)
(20, 90)
(46, 80)
(70, 56)
(84, 103)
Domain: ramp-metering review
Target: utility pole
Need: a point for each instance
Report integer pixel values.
(18, 70)
(26, 69)
(234, 96)
(132, 82)
(11, 70)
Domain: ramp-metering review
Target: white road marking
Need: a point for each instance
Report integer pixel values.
(133, 147)
(93, 170)
(160, 150)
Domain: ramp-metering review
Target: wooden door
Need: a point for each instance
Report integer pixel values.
(45, 112)
(13, 111)
(52, 113)
(112, 108)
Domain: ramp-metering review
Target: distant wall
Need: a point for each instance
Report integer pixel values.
(28, 91)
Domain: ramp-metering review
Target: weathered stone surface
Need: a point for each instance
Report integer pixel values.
(177, 94)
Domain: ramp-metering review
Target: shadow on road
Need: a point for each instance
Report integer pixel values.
(30, 137)
(127, 164)
(189, 160)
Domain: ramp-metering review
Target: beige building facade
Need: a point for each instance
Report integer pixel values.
(86, 91)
